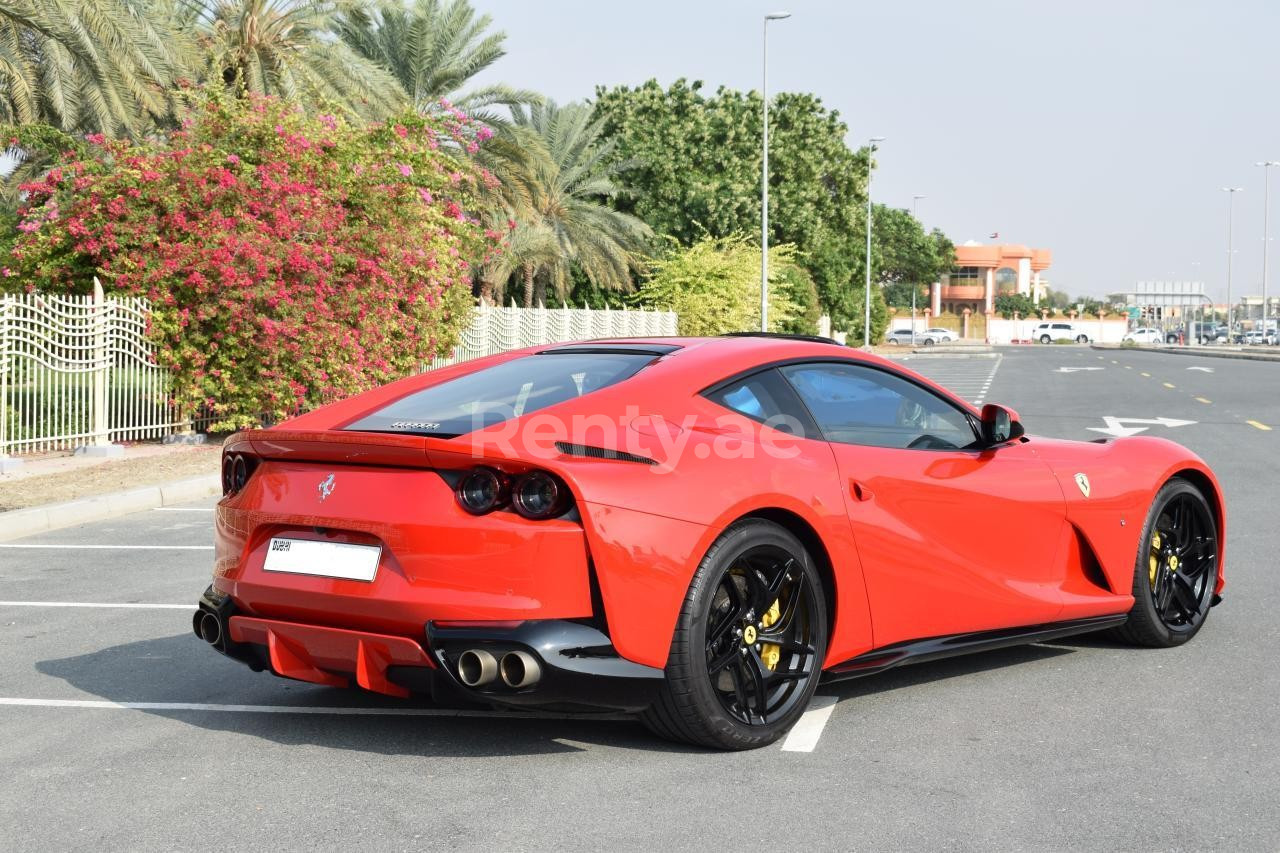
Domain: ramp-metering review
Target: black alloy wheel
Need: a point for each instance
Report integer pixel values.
(1177, 568)
(747, 652)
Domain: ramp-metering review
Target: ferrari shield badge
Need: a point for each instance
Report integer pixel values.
(1083, 482)
(326, 487)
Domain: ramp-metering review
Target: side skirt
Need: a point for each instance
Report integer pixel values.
(935, 648)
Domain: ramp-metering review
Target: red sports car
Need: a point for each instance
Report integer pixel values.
(699, 531)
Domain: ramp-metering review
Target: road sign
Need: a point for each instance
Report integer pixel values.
(1116, 426)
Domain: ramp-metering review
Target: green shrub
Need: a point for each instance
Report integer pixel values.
(290, 260)
(713, 287)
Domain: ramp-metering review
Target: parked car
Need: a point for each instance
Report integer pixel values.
(927, 338)
(1194, 333)
(428, 536)
(1047, 333)
(1257, 337)
(1145, 335)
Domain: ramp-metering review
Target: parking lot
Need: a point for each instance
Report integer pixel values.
(119, 729)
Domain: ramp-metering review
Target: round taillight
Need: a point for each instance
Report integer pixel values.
(482, 490)
(239, 473)
(539, 495)
(228, 484)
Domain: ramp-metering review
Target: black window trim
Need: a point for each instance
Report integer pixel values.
(975, 423)
(780, 384)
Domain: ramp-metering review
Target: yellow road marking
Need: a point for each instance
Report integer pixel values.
(1203, 400)
(1148, 375)
(1257, 425)
(1170, 385)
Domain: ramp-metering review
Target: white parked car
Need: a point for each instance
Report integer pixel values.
(926, 337)
(1145, 335)
(1047, 333)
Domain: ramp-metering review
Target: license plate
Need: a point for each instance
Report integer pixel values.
(323, 559)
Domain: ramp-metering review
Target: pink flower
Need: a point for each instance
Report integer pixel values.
(401, 131)
(485, 132)
(406, 170)
(28, 227)
(425, 195)
(233, 159)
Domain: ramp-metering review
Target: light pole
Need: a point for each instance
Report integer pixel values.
(764, 175)
(1266, 230)
(915, 201)
(866, 313)
(1231, 204)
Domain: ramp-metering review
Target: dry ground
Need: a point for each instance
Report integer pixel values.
(63, 477)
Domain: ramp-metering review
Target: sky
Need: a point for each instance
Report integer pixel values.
(1102, 131)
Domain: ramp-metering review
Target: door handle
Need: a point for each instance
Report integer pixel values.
(859, 491)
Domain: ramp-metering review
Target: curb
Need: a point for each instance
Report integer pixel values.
(1236, 354)
(39, 519)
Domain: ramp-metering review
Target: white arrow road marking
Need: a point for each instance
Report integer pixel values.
(1116, 426)
(1202, 369)
(1076, 369)
(805, 733)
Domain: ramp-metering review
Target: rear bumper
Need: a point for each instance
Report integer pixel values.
(577, 665)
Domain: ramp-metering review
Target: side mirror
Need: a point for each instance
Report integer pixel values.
(1000, 425)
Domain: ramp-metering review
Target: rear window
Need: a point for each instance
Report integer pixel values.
(508, 390)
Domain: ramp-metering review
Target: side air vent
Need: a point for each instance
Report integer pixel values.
(586, 451)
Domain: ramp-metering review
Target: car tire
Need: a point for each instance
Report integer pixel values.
(928, 342)
(1045, 339)
(1082, 339)
(1171, 599)
(746, 703)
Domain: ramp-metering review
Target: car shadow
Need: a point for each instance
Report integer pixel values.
(181, 669)
(912, 675)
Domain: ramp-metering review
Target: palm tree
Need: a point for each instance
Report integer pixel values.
(85, 66)
(570, 204)
(433, 48)
(287, 48)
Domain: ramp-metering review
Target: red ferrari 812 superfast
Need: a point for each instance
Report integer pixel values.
(697, 531)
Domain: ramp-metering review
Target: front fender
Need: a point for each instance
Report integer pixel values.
(1124, 476)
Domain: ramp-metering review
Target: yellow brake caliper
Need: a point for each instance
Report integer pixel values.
(770, 653)
(1153, 560)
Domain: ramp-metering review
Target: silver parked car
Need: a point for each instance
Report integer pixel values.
(927, 337)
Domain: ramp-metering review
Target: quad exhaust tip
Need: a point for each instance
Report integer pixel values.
(520, 669)
(476, 667)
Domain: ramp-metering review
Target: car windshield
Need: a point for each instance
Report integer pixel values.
(495, 394)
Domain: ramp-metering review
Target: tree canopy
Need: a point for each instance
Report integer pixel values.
(692, 165)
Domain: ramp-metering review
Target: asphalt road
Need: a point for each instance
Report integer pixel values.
(1082, 745)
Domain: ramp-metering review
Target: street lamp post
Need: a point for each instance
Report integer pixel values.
(1266, 230)
(1231, 203)
(915, 201)
(764, 176)
(866, 313)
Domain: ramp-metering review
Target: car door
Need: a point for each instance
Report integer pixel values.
(952, 537)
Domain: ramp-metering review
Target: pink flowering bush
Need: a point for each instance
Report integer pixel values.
(289, 260)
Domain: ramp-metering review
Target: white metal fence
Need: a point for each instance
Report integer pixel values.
(496, 329)
(78, 370)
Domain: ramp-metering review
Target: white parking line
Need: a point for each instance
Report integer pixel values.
(110, 547)
(102, 705)
(804, 735)
(95, 604)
